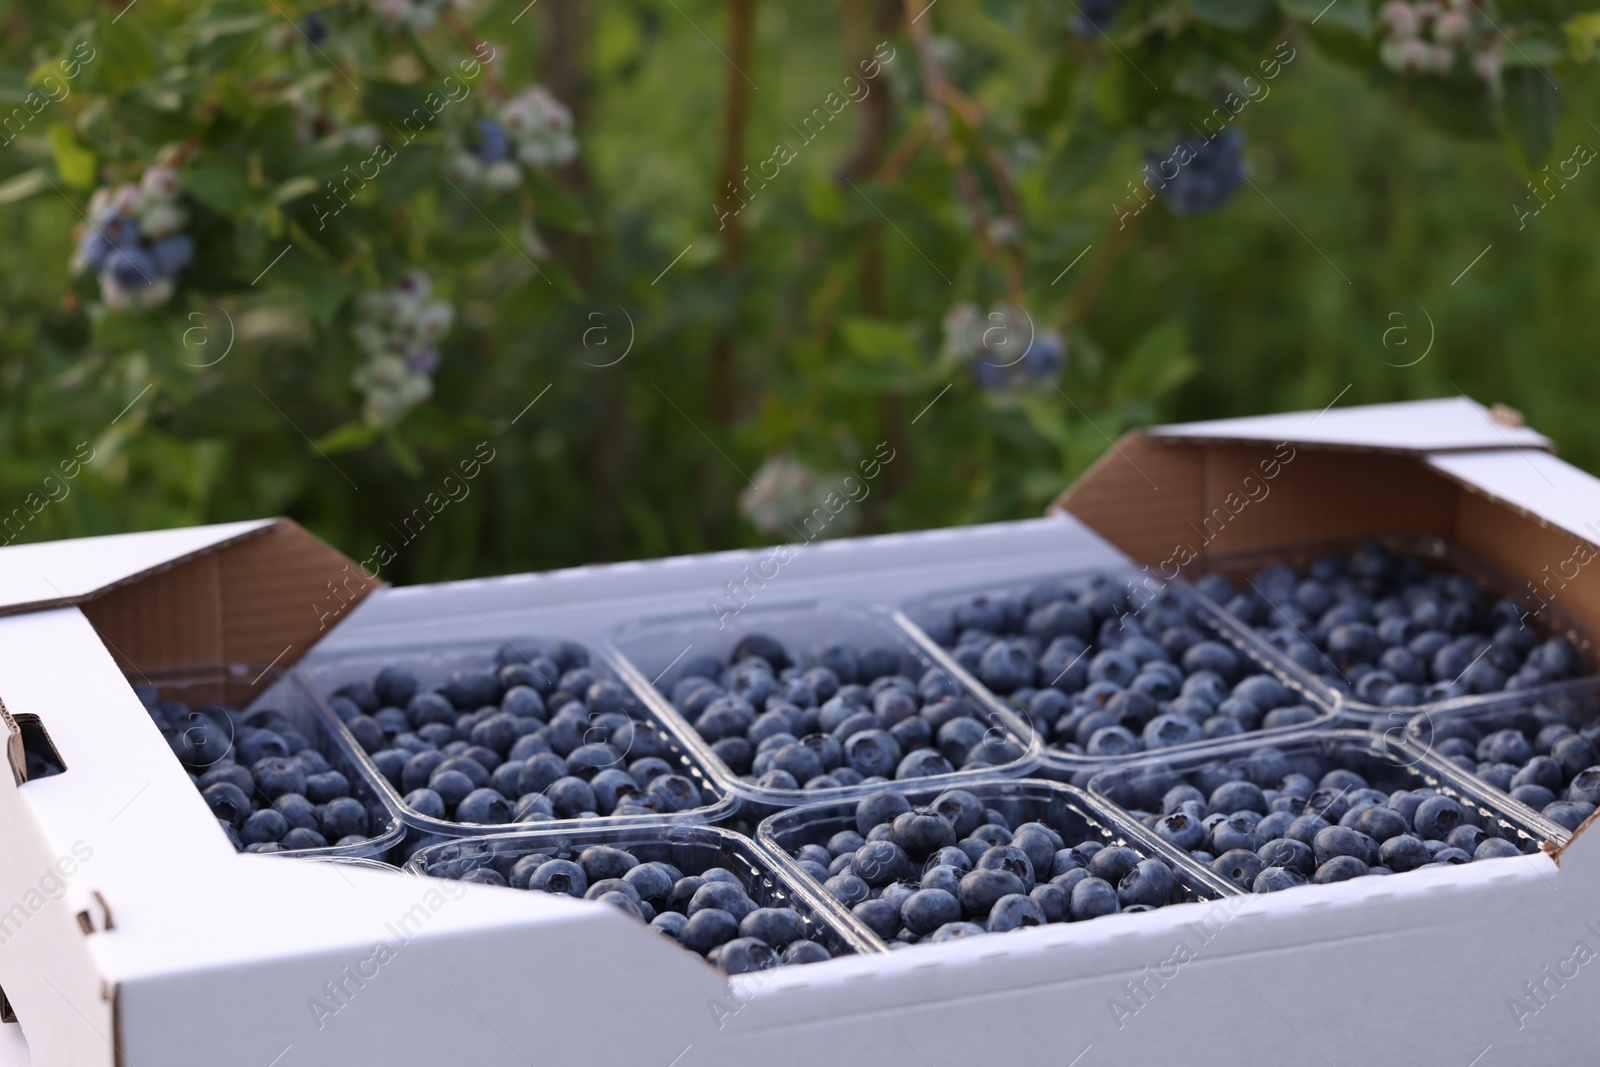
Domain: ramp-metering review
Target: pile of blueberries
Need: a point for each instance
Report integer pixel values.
(268, 785)
(1541, 761)
(1273, 819)
(541, 736)
(709, 912)
(1391, 632)
(956, 868)
(839, 716)
(1105, 670)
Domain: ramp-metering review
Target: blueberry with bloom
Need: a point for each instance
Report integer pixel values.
(1004, 348)
(531, 130)
(1428, 36)
(397, 330)
(133, 240)
(783, 491)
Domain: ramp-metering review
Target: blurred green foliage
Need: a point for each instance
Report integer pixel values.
(815, 332)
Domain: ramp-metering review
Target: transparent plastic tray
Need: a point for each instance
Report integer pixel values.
(692, 849)
(235, 685)
(1073, 814)
(652, 654)
(925, 612)
(1552, 620)
(432, 664)
(1571, 704)
(358, 861)
(1139, 785)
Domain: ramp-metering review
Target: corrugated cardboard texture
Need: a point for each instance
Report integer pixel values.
(259, 601)
(1167, 502)
(1152, 498)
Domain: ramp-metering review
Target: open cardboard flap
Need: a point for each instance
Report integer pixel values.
(1188, 498)
(88, 849)
(1449, 424)
(253, 594)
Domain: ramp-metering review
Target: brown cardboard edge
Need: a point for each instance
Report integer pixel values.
(118, 1040)
(1059, 504)
(149, 572)
(1557, 851)
(1531, 516)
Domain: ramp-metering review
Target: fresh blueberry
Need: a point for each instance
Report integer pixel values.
(1437, 816)
(1014, 911)
(980, 889)
(1091, 898)
(1275, 879)
(708, 928)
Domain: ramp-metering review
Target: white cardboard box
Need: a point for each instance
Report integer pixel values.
(130, 933)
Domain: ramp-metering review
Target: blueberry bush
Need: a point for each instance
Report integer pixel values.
(641, 261)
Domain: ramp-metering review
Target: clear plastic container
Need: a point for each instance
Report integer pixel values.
(1438, 554)
(928, 613)
(1571, 704)
(1073, 814)
(1139, 786)
(358, 861)
(653, 654)
(432, 665)
(692, 849)
(236, 686)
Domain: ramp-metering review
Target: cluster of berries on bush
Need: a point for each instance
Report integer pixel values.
(532, 130)
(1208, 173)
(133, 240)
(1006, 348)
(783, 491)
(397, 330)
(317, 121)
(1431, 36)
(1093, 16)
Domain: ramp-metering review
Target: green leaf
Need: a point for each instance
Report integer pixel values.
(391, 103)
(294, 188)
(1463, 110)
(126, 56)
(21, 186)
(1231, 14)
(222, 188)
(1532, 106)
(886, 358)
(1352, 15)
(1079, 162)
(554, 205)
(74, 162)
(1159, 363)
(347, 438)
(1044, 413)
(404, 457)
(321, 285)
(120, 331)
